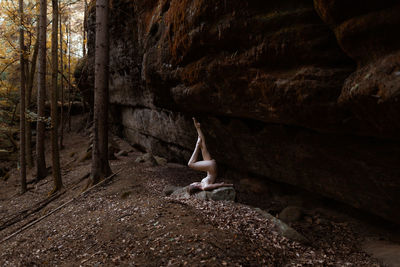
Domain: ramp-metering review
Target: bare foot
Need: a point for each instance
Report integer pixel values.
(196, 123)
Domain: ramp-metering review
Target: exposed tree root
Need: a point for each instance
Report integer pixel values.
(25, 213)
(56, 209)
(55, 190)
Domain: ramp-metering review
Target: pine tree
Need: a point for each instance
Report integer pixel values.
(54, 106)
(22, 99)
(100, 164)
(40, 126)
(62, 84)
(28, 96)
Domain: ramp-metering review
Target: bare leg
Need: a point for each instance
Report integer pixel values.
(204, 165)
(208, 166)
(195, 154)
(206, 155)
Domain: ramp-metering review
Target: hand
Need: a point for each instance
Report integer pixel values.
(196, 123)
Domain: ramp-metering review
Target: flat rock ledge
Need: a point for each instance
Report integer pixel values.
(282, 228)
(219, 194)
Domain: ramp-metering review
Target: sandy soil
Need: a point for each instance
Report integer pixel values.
(128, 221)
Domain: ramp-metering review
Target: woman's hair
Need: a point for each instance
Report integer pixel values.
(192, 189)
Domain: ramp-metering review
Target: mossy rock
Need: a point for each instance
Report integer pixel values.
(291, 214)
(147, 159)
(126, 194)
(86, 156)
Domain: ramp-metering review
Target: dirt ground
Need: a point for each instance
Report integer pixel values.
(128, 221)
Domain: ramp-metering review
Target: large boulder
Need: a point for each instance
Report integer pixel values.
(282, 228)
(219, 194)
(223, 193)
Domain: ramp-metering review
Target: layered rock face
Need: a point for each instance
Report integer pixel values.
(300, 92)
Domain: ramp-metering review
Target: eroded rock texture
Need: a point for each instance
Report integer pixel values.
(300, 92)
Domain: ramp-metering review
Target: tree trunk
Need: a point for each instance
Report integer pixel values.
(100, 164)
(54, 106)
(69, 75)
(84, 27)
(28, 127)
(62, 87)
(22, 100)
(40, 126)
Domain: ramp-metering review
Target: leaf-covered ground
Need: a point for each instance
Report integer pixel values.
(128, 221)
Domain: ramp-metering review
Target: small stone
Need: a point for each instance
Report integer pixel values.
(86, 156)
(169, 189)
(290, 214)
(122, 153)
(147, 159)
(161, 161)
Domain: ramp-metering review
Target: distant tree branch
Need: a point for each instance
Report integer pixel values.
(65, 78)
(68, 4)
(8, 65)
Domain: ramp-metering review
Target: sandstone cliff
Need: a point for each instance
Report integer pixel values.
(301, 92)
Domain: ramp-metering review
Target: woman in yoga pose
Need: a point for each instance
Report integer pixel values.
(207, 165)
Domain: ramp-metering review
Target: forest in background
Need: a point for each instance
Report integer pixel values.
(53, 68)
(71, 44)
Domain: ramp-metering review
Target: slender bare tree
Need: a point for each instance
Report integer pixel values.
(40, 126)
(69, 73)
(55, 155)
(22, 158)
(84, 27)
(28, 96)
(62, 84)
(100, 165)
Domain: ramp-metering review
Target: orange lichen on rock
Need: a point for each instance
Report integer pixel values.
(182, 16)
